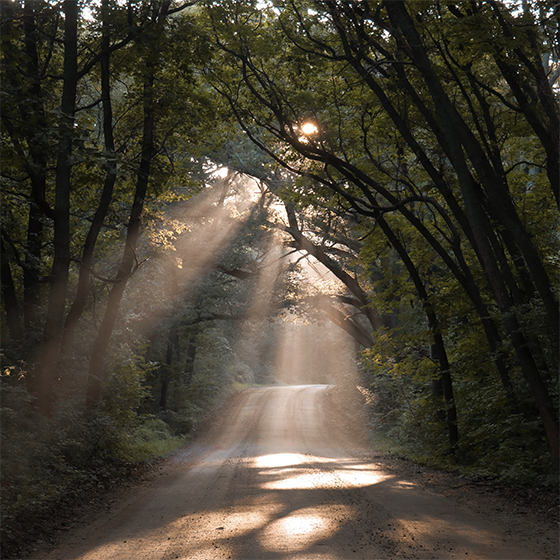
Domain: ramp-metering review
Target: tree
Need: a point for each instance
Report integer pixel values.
(450, 168)
(54, 105)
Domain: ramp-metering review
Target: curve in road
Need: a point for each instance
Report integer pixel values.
(278, 478)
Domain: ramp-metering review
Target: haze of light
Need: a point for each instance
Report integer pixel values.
(205, 227)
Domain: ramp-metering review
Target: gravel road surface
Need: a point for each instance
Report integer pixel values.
(277, 477)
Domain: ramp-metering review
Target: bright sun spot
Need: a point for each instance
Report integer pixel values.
(221, 172)
(279, 460)
(301, 529)
(309, 128)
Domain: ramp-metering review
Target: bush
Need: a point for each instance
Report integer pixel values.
(151, 439)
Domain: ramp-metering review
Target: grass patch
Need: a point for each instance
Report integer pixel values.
(151, 440)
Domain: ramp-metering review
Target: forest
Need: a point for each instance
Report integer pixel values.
(194, 190)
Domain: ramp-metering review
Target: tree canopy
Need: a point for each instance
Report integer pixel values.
(421, 133)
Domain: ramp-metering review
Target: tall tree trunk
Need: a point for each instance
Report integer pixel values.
(46, 364)
(498, 199)
(86, 263)
(32, 110)
(189, 360)
(438, 343)
(500, 206)
(173, 348)
(96, 374)
(28, 103)
(164, 391)
(462, 272)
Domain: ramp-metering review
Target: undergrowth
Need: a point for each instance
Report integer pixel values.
(50, 465)
(514, 452)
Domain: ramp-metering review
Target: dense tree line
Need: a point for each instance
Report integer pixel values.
(435, 128)
(127, 255)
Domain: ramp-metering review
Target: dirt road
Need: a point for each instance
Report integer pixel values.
(275, 479)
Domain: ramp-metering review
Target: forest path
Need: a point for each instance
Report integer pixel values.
(277, 477)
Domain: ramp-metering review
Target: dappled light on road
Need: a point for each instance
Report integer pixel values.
(272, 481)
(290, 471)
(299, 530)
(275, 460)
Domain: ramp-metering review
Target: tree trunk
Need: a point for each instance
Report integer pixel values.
(172, 348)
(48, 355)
(31, 110)
(462, 272)
(86, 263)
(189, 361)
(9, 296)
(459, 136)
(28, 103)
(96, 374)
(164, 391)
(438, 343)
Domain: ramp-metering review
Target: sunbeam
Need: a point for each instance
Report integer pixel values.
(201, 230)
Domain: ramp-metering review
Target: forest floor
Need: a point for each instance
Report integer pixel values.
(324, 493)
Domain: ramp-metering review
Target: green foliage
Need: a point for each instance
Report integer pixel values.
(401, 375)
(416, 106)
(152, 439)
(19, 445)
(185, 420)
(50, 462)
(407, 418)
(126, 390)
